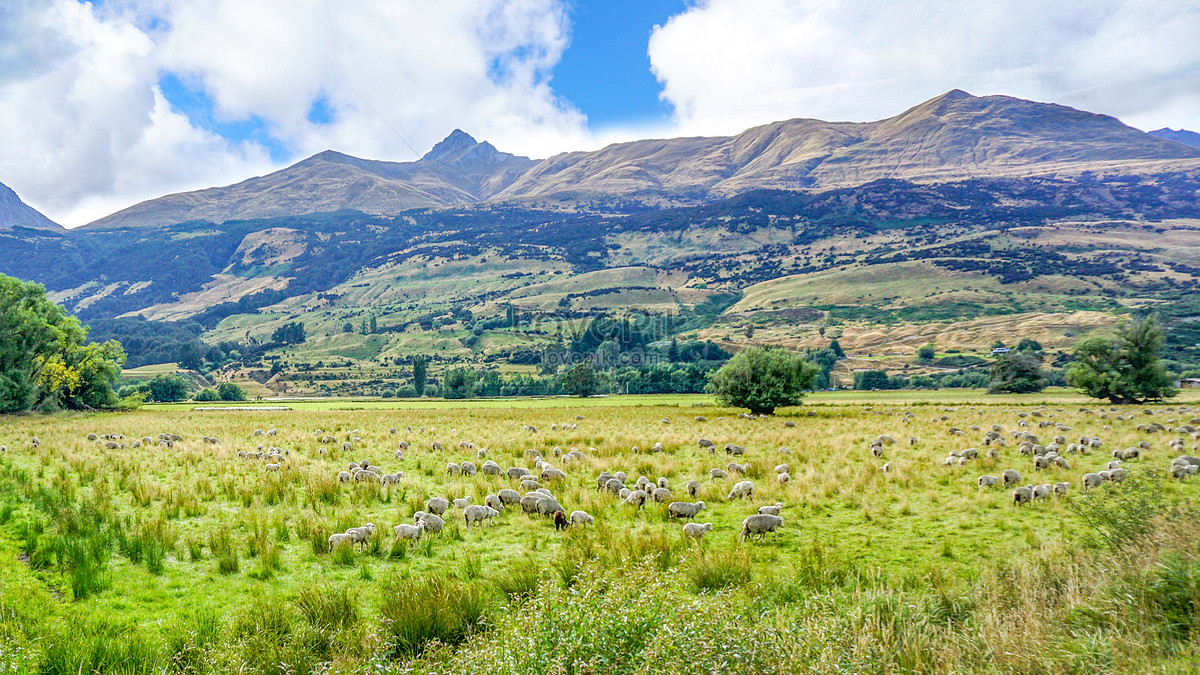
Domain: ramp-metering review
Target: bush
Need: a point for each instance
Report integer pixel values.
(762, 379)
(421, 609)
(229, 391)
(206, 395)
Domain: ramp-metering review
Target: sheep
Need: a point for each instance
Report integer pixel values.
(741, 490)
(392, 477)
(363, 474)
(760, 524)
(494, 502)
(783, 468)
(517, 472)
(714, 474)
(783, 478)
(731, 449)
(477, 513)
(734, 467)
(636, 498)
(462, 502)
(509, 496)
(708, 445)
(660, 494)
(433, 523)
(360, 535)
(437, 505)
(529, 502)
(581, 518)
(1010, 477)
(696, 530)
(614, 486)
(340, 539)
(491, 468)
(1090, 480)
(693, 488)
(1117, 475)
(1061, 489)
(548, 505)
(623, 493)
(412, 532)
(273, 467)
(771, 510)
(988, 481)
(684, 509)
(549, 474)
(1042, 462)
(529, 485)
(468, 468)
(453, 469)
(1022, 495)
(560, 521)
(1042, 491)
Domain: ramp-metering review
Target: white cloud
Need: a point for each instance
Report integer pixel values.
(86, 130)
(726, 65)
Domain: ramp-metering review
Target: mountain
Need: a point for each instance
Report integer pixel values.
(459, 170)
(945, 138)
(16, 213)
(1189, 138)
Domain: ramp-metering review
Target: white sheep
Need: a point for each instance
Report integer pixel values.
(413, 532)
(696, 530)
(684, 509)
(742, 490)
(760, 524)
(581, 518)
(477, 513)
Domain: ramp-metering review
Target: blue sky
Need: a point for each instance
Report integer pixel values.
(605, 70)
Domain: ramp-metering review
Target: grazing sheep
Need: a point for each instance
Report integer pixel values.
(717, 473)
(708, 445)
(636, 498)
(760, 524)
(581, 518)
(273, 467)
(734, 467)
(509, 496)
(731, 449)
(660, 495)
(772, 510)
(478, 513)
(1117, 475)
(1042, 491)
(363, 474)
(696, 530)
(392, 477)
(546, 506)
(462, 502)
(1061, 489)
(433, 524)
(491, 468)
(552, 474)
(360, 535)
(988, 481)
(1090, 480)
(1010, 477)
(529, 485)
(684, 509)
(340, 539)
(1022, 495)
(437, 505)
(623, 493)
(517, 472)
(742, 490)
(411, 532)
(783, 468)
(693, 488)
(452, 469)
(783, 478)
(494, 502)
(468, 468)
(560, 521)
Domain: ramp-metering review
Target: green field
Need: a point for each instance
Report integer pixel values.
(193, 559)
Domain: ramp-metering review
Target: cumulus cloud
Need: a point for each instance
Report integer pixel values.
(727, 64)
(87, 128)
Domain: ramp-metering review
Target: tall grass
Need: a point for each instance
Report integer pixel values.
(416, 611)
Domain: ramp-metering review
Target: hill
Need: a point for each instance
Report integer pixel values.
(1188, 138)
(945, 138)
(16, 213)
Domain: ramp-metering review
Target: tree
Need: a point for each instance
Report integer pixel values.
(374, 326)
(420, 374)
(44, 363)
(229, 391)
(673, 351)
(206, 395)
(926, 353)
(347, 327)
(290, 334)
(762, 379)
(1017, 373)
(871, 380)
(837, 348)
(580, 380)
(1029, 345)
(168, 388)
(1123, 370)
(459, 383)
(190, 356)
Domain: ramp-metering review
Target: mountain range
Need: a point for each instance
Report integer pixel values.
(960, 208)
(952, 136)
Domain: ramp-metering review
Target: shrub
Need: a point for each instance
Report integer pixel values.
(763, 379)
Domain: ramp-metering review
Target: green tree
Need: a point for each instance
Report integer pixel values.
(290, 333)
(926, 353)
(673, 351)
(837, 348)
(420, 368)
(1029, 345)
(229, 391)
(1017, 373)
(762, 379)
(580, 380)
(1126, 369)
(168, 388)
(870, 380)
(205, 395)
(459, 383)
(190, 356)
(374, 327)
(44, 363)
(347, 327)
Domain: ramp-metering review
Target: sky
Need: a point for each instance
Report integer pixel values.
(106, 103)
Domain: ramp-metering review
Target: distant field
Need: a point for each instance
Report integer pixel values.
(195, 559)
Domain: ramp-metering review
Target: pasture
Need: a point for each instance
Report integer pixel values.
(194, 558)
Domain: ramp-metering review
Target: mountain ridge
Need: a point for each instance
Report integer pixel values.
(16, 213)
(942, 138)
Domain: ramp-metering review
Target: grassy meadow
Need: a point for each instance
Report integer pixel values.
(192, 559)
